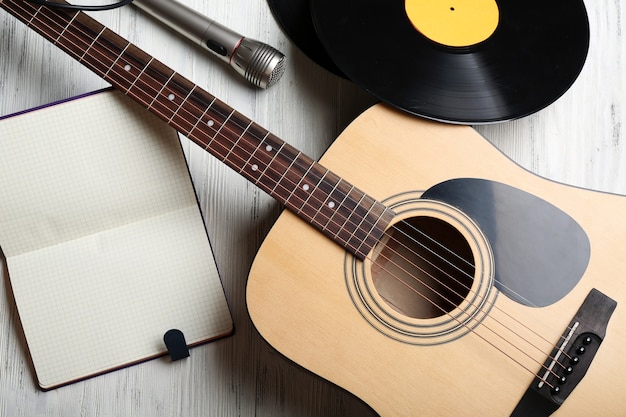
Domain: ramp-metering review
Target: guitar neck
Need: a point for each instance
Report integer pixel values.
(339, 210)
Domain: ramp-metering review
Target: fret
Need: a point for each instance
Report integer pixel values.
(28, 23)
(106, 74)
(321, 202)
(344, 233)
(274, 144)
(202, 116)
(328, 187)
(383, 217)
(306, 183)
(284, 175)
(247, 163)
(311, 176)
(65, 28)
(207, 126)
(217, 133)
(197, 105)
(333, 226)
(300, 184)
(243, 139)
(339, 210)
(183, 101)
(358, 233)
(42, 23)
(107, 54)
(236, 142)
(284, 165)
(233, 147)
(156, 96)
(259, 175)
(364, 237)
(174, 103)
(332, 213)
(262, 157)
(86, 50)
(280, 170)
(354, 200)
(313, 191)
(129, 68)
(326, 205)
(102, 55)
(143, 78)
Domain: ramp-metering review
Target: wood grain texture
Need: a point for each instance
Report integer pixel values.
(577, 140)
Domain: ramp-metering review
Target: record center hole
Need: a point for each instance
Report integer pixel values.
(423, 267)
(451, 8)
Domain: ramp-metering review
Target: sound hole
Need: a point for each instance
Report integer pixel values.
(423, 268)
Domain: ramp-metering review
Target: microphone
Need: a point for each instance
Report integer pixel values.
(257, 62)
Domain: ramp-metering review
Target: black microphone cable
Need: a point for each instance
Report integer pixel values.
(260, 64)
(82, 7)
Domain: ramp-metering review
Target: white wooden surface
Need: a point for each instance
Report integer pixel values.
(577, 140)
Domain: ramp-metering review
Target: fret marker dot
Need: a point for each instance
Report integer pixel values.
(305, 187)
(255, 167)
(331, 204)
(127, 67)
(268, 148)
(171, 97)
(210, 123)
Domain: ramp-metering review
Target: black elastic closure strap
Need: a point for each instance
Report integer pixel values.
(176, 346)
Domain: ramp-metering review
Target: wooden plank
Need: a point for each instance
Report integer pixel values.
(578, 140)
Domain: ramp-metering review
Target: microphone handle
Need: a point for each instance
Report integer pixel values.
(198, 28)
(257, 62)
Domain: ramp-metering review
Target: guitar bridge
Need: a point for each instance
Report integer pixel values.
(569, 361)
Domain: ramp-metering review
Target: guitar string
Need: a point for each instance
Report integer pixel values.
(542, 352)
(181, 103)
(123, 2)
(462, 272)
(473, 330)
(471, 317)
(218, 133)
(462, 259)
(438, 268)
(110, 51)
(109, 69)
(366, 219)
(257, 138)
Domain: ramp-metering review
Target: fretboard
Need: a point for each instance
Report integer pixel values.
(339, 210)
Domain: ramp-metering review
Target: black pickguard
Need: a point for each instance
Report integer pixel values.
(540, 251)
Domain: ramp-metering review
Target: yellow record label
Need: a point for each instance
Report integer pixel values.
(454, 22)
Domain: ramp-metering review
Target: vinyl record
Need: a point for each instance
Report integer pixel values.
(294, 17)
(461, 61)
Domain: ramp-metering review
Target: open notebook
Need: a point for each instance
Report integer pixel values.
(103, 238)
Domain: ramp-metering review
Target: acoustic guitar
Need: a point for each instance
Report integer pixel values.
(459, 285)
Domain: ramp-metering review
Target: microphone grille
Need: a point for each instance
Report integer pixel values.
(262, 65)
(277, 72)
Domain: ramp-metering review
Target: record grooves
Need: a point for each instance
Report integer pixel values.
(294, 17)
(533, 56)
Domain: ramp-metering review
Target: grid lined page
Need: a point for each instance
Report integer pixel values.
(105, 244)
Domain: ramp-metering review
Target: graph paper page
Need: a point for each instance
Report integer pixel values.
(104, 241)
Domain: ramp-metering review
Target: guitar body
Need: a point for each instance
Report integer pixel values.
(482, 268)
(337, 316)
